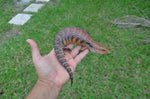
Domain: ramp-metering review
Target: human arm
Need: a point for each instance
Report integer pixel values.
(51, 74)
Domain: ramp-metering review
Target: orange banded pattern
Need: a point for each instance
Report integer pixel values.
(65, 37)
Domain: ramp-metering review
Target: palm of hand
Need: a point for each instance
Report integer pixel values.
(48, 67)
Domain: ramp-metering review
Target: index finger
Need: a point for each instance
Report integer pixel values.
(75, 51)
(81, 56)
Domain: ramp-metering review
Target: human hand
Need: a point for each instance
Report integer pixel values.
(48, 67)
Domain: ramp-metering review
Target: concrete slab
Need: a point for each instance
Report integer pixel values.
(42, 0)
(33, 7)
(20, 19)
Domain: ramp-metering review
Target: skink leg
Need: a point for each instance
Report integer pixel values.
(82, 49)
(66, 48)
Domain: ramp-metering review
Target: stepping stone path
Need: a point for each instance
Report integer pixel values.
(33, 8)
(22, 18)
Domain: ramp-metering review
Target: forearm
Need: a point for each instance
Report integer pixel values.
(44, 90)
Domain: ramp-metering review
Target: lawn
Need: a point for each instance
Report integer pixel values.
(124, 73)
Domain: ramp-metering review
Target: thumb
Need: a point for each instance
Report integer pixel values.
(34, 49)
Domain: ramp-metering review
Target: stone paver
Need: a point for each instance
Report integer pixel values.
(42, 0)
(33, 7)
(20, 19)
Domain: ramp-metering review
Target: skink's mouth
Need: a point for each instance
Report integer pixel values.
(100, 48)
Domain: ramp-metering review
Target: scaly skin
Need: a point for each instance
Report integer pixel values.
(80, 37)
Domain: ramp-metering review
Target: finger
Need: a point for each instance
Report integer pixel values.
(70, 46)
(34, 48)
(75, 51)
(81, 56)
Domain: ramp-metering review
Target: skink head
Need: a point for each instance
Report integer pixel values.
(98, 48)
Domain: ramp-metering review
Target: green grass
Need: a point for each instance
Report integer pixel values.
(124, 73)
(7, 11)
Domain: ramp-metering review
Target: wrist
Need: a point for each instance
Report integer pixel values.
(44, 89)
(49, 84)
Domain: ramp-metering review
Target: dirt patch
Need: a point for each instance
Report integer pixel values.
(14, 32)
(20, 3)
(55, 2)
